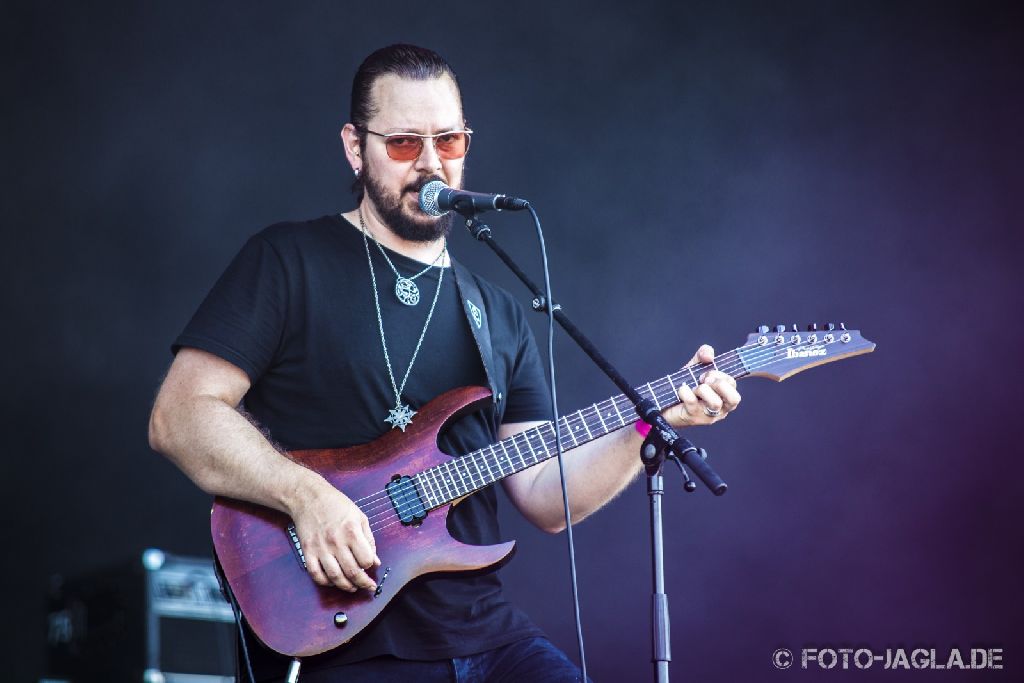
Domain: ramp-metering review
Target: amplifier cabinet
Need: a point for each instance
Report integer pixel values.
(159, 618)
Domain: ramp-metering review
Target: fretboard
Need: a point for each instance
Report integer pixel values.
(459, 477)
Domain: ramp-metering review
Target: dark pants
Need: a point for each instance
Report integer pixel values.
(534, 659)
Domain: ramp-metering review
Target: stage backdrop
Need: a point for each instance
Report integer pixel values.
(700, 169)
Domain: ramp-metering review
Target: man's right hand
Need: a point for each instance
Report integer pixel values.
(336, 540)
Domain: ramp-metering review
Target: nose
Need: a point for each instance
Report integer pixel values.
(428, 161)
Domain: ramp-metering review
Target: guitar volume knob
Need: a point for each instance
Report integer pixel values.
(340, 619)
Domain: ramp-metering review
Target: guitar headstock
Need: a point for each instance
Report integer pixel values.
(780, 352)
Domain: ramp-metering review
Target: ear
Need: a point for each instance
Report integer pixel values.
(353, 149)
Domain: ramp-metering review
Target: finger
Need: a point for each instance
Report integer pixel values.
(711, 399)
(353, 572)
(688, 407)
(368, 534)
(362, 551)
(717, 377)
(335, 573)
(705, 354)
(730, 397)
(316, 572)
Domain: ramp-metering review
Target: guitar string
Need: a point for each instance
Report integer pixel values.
(444, 482)
(402, 508)
(441, 474)
(382, 522)
(444, 478)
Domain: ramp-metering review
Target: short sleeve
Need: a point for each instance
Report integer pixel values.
(242, 319)
(528, 396)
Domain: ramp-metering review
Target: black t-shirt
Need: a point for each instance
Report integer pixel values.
(295, 311)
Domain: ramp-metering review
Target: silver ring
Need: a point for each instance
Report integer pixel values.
(711, 413)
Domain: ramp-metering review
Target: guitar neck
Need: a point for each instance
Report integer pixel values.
(459, 477)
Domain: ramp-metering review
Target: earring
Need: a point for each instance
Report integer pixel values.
(356, 171)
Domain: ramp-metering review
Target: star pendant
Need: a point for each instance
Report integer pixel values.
(400, 417)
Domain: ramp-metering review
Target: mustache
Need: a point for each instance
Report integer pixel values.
(418, 184)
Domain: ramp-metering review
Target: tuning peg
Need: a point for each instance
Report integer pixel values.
(813, 327)
(762, 329)
(796, 328)
(831, 326)
(842, 326)
(780, 329)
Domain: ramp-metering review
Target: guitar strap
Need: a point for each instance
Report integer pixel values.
(476, 316)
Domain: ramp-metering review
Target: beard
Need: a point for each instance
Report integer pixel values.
(415, 226)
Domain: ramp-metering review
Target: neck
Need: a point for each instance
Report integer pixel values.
(424, 252)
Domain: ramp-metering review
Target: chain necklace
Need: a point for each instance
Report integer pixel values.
(405, 289)
(401, 415)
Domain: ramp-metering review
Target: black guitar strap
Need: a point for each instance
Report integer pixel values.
(476, 316)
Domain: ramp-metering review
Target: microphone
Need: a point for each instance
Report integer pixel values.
(437, 199)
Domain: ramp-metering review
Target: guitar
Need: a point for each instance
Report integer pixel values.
(405, 485)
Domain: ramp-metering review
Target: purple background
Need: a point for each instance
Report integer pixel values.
(700, 169)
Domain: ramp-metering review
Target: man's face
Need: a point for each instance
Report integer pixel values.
(411, 106)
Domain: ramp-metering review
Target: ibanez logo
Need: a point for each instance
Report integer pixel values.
(806, 353)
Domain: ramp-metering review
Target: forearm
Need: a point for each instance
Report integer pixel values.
(595, 474)
(224, 454)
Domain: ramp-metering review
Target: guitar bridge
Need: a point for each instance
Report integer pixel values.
(406, 500)
(296, 545)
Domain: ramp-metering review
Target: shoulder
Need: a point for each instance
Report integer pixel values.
(298, 245)
(288, 235)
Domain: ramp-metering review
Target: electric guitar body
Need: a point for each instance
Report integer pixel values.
(264, 565)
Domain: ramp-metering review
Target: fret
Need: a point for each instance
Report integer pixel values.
(629, 406)
(516, 446)
(435, 491)
(615, 404)
(492, 465)
(666, 401)
(460, 468)
(498, 459)
(480, 472)
(451, 472)
(695, 382)
(569, 429)
(504, 452)
(465, 462)
(654, 396)
(568, 443)
(439, 482)
(586, 426)
(544, 441)
(450, 480)
(487, 464)
(425, 492)
(675, 392)
(602, 421)
(469, 461)
(533, 453)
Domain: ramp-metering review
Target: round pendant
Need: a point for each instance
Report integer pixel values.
(407, 291)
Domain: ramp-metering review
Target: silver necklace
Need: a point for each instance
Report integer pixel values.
(405, 289)
(401, 415)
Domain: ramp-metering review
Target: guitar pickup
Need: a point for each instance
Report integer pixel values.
(406, 500)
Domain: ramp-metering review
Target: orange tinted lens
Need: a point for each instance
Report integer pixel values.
(452, 145)
(404, 148)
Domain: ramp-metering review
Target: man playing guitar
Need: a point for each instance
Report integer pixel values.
(317, 336)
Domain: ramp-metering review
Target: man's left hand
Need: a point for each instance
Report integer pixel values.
(713, 400)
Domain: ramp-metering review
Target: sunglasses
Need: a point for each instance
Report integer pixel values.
(408, 146)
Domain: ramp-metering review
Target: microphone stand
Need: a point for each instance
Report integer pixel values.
(662, 443)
